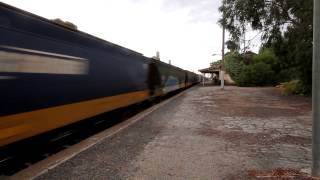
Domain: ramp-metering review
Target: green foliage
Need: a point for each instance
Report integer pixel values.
(291, 87)
(268, 16)
(286, 75)
(267, 56)
(232, 45)
(234, 65)
(216, 64)
(257, 74)
(286, 27)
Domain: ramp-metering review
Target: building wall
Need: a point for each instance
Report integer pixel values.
(228, 80)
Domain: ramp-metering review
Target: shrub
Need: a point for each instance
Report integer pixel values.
(234, 65)
(266, 56)
(291, 87)
(286, 75)
(258, 74)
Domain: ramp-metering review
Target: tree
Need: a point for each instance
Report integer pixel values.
(253, 70)
(286, 27)
(232, 45)
(65, 23)
(256, 74)
(269, 16)
(234, 65)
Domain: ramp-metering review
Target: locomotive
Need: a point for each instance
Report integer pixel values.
(52, 76)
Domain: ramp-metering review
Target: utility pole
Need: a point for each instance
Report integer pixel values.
(316, 91)
(223, 39)
(244, 41)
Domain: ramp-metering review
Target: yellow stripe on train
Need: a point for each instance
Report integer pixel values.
(20, 126)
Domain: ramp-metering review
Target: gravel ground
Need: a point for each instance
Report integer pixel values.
(207, 133)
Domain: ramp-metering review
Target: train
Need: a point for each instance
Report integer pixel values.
(52, 76)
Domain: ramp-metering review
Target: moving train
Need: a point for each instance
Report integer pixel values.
(52, 75)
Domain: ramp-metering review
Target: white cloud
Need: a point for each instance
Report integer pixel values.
(184, 31)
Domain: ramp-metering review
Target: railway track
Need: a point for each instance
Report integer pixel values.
(21, 155)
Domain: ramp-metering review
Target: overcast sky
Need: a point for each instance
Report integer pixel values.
(183, 31)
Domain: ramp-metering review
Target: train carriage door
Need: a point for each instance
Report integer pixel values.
(154, 78)
(186, 80)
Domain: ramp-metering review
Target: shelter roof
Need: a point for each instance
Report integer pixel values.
(210, 70)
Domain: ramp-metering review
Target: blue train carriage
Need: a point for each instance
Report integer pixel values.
(190, 78)
(171, 78)
(52, 76)
(196, 78)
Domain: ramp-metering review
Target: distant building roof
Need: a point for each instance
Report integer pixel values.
(215, 67)
(210, 70)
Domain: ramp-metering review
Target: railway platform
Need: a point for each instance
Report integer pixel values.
(204, 133)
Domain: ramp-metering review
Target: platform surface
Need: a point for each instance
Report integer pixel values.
(206, 133)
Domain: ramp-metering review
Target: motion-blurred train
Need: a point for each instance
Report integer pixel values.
(52, 75)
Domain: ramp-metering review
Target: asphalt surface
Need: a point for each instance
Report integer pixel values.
(206, 133)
